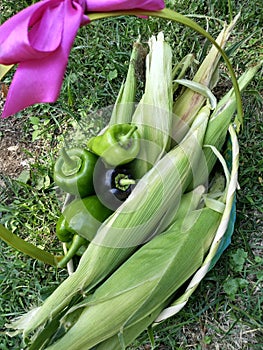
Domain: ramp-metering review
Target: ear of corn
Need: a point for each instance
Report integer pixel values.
(135, 222)
(155, 272)
(188, 104)
(153, 115)
(223, 234)
(219, 124)
(125, 102)
(189, 202)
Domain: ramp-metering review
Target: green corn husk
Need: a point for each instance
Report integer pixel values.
(200, 89)
(153, 115)
(189, 202)
(225, 229)
(125, 104)
(129, 333)
(187, 105)
(218, 125)
(144, 281)
(135, 222)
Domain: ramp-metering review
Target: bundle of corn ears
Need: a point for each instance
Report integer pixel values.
(170, 228)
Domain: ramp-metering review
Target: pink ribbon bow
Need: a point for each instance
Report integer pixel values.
(39, 40)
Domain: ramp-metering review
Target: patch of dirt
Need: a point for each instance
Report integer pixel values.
(13, 159)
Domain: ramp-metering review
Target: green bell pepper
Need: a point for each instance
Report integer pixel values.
(82, 216)
(119, 144)
(79, 223)
(73, 171)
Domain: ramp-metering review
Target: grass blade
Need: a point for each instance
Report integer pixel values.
(28, 248)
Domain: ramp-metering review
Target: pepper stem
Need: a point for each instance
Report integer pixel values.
(71, 165)
(125, 182)
(122, 182)
(124, 139)
(77, 242)
(68, 160)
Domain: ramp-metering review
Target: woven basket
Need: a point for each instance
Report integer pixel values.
(225, 230)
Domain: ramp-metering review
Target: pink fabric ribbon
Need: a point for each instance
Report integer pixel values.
(39, 40)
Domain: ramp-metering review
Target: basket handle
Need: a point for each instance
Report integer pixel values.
(171, 15)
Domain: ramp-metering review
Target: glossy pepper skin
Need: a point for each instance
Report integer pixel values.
(113, 185)
(83, 216)
(118, 145)
(73, 171)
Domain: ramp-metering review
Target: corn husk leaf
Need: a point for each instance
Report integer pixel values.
(201, 89)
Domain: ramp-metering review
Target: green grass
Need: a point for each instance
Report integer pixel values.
(225, 312)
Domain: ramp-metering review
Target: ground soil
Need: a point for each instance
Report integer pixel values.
(13, 158)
